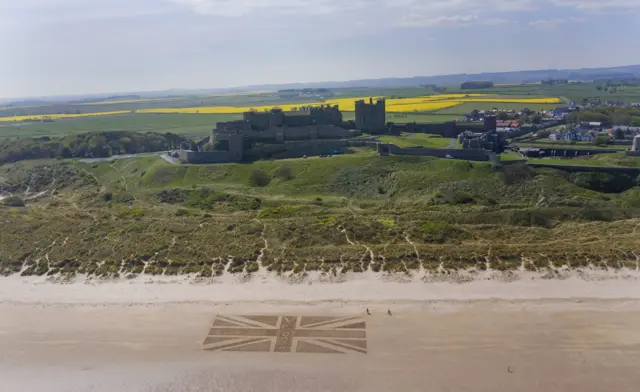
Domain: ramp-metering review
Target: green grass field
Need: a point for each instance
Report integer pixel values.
(192, 125)
(419, 140)
(468, 107)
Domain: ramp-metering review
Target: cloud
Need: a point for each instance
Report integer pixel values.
(599, 5)
(420, 20)
(553, 23)
(431, 13)
(236, 8)
(63, 11)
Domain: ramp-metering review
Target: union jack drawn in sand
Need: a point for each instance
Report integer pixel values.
(290, 334)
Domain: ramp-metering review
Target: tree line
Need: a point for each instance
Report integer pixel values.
(87, 145)
(609, 115)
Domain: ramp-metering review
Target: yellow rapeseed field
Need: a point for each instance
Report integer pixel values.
(394, 105)
(59, 116)
(402, 106)
(514, 100)
(429, 103)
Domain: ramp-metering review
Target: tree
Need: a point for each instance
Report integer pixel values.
(65, 152)
(619, 134)
(503, 116)
(475, 85)
(621, 118)
(603, 140)
(536, 118)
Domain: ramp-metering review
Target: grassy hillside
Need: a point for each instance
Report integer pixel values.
(335, 214)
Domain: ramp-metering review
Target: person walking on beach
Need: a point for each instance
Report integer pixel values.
(368, 312)
(389, 312)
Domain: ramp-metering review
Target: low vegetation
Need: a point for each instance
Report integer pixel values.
(347, 213)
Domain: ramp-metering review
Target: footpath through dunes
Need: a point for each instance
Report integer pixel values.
(352, 213)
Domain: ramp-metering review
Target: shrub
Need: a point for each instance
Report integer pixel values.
(518, 173)
(603, 140)
(284, 173)
(259, 178)
(182, 212)
(172, 196)
(124, 197)
(602, 182)
(13, 201)
(436, 231)
(462, 198)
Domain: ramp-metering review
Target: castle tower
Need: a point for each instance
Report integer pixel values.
(636, 143)
(371, 117)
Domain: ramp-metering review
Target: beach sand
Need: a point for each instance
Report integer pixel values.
(486, 335)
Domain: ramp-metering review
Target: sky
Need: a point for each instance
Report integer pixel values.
(63, 47)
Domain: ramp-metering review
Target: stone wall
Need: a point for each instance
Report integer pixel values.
(446, 129)
(281, 134)
(297, 149)
(188, 156)
(467, 154)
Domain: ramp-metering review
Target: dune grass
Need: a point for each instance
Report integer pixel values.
(350, 212)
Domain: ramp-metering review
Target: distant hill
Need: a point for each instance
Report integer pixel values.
(531, 76)
(581, 74)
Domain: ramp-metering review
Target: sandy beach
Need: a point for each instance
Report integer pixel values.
(531, 334)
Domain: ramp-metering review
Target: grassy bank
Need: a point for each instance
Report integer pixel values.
(418, 140)
(342, 213)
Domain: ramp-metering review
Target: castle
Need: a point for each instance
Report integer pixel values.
(371, 117)
(276, 134)
(314, 131)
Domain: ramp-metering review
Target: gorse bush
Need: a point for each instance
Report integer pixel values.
(284, 173)
(517, 173)
(602, 182)
(259, 178)
(13, 201)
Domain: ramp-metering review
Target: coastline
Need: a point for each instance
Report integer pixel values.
(522, 332)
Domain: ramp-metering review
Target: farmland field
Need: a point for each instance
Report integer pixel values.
(467, 107)
(195, 115)
(192, 125)
(60, 116)
(430, 103)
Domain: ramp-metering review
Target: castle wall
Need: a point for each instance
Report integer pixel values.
(468, 154)
(297, 149)
(188, 156)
